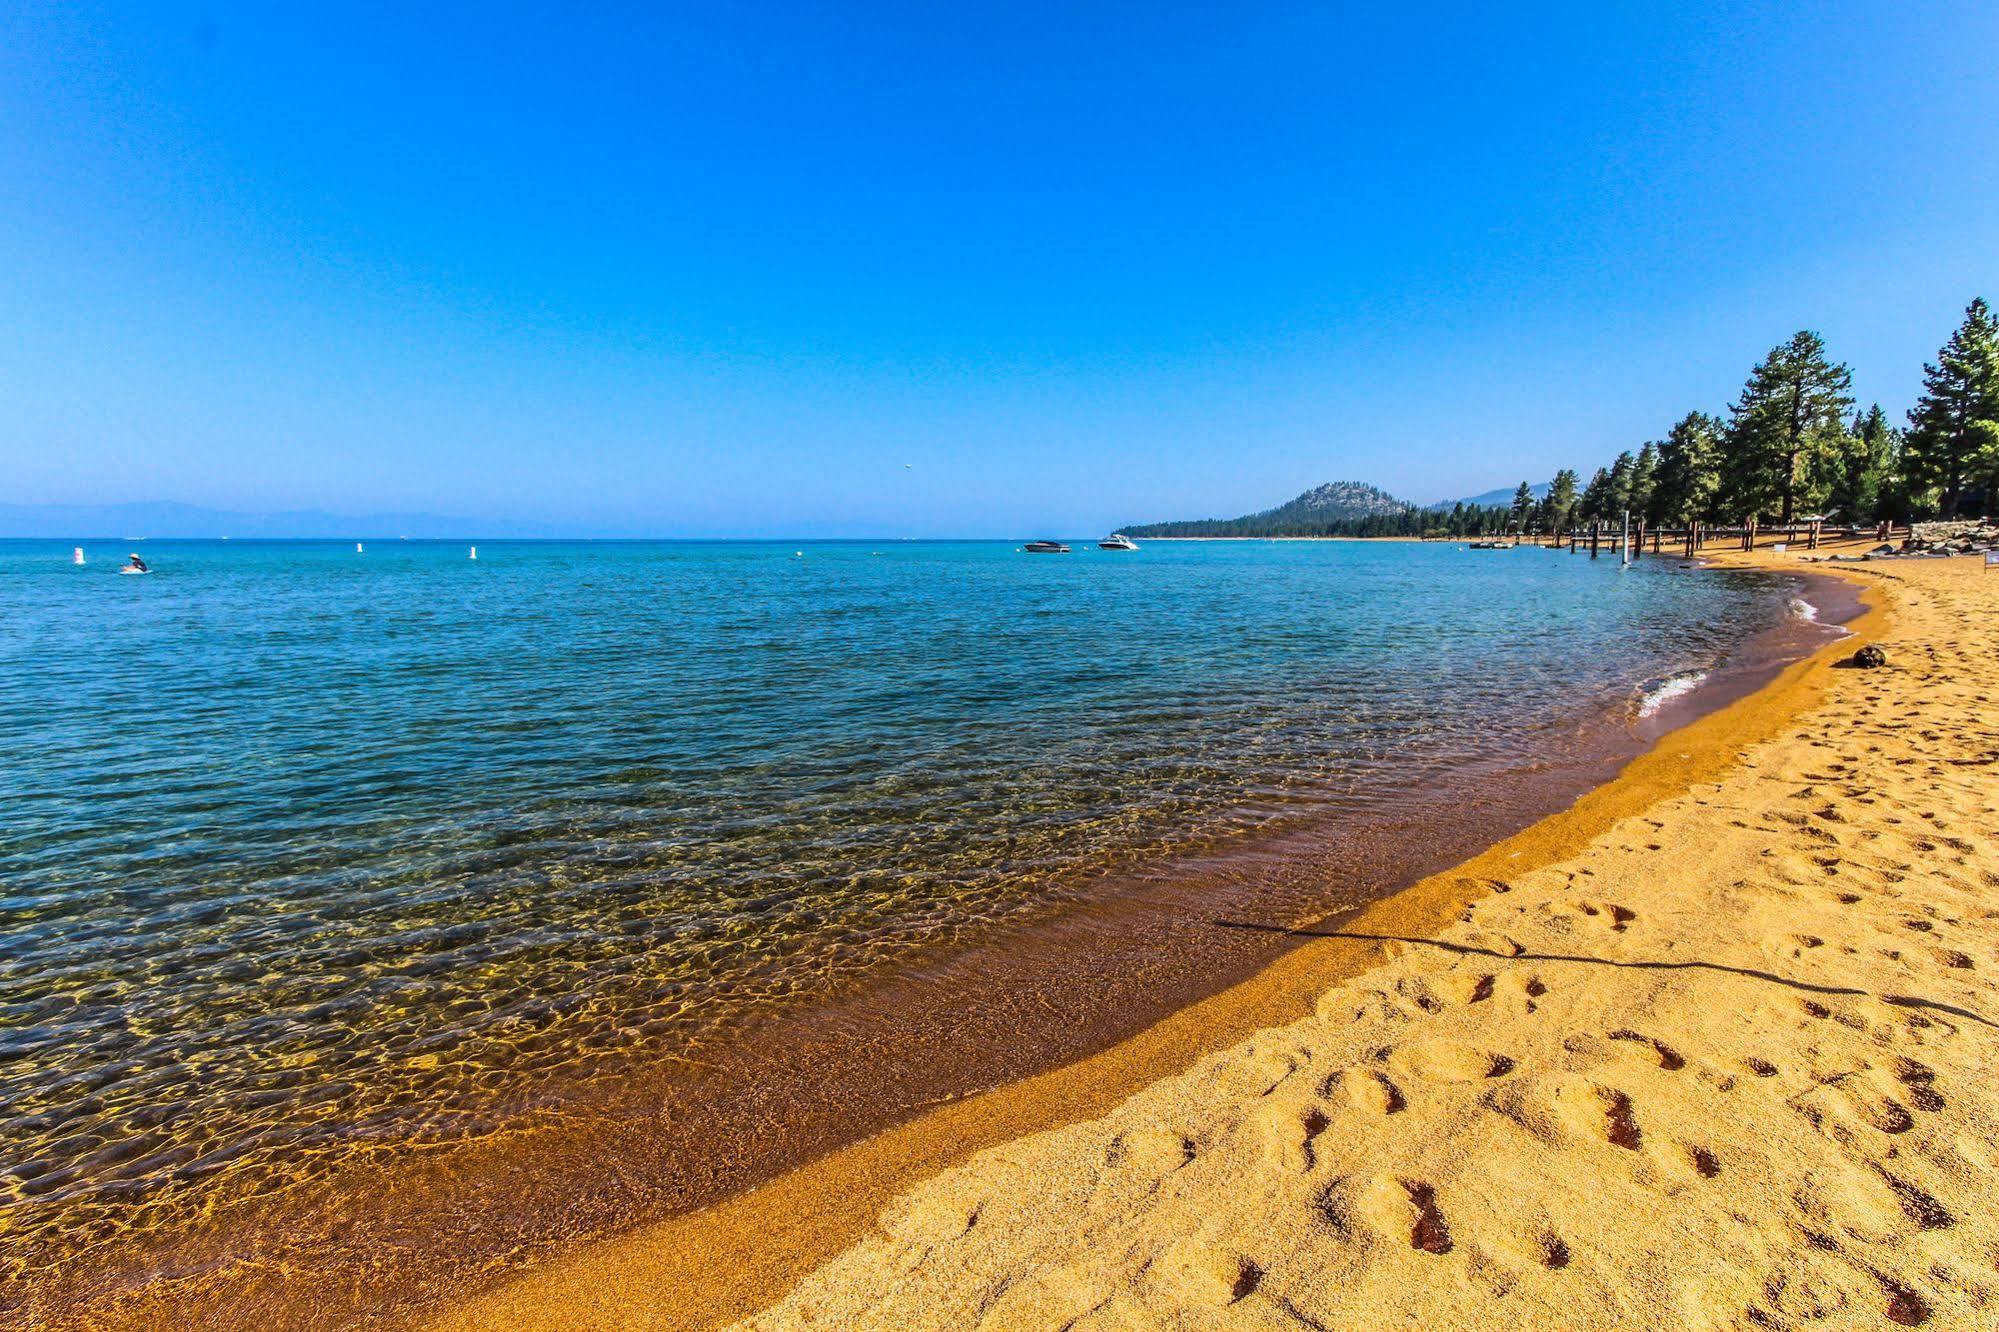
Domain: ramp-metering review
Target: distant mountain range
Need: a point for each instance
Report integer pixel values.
(1492, 497)
(1338, 508)
(168, 519)
(1329, 510)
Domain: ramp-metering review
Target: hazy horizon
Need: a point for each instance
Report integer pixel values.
(175, 520)
(809, 271)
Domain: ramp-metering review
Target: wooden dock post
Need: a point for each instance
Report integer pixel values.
(1595, 536)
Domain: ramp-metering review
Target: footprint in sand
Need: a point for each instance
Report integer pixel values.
(935, 1214)
(1603, 915)
(1365, 1089)
(1342, 1006)
(1663, 1054)
(1562, 1106)
(1417, 991)
(1916, 1204)
(1461, 988)
(1449, 1061)
(1192, 1273)
(1905, 1307)
(1400, 1210)
(1864, 1098)
(1285, 1135)
(1919, 1083)
(1156, 1150)
(1261, 1071)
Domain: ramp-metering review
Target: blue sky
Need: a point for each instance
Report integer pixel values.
(768, 269)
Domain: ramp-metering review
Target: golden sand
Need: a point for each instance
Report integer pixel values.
(1710, 1049)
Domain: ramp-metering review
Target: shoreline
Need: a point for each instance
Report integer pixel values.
(671, 1135)
(408, 1232)
(664, 1274)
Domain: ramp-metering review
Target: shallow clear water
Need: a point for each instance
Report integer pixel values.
(308, 853)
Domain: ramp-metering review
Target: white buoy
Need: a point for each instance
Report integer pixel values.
(357, 548)
(798, 554)
(77, 556)
(475, 553)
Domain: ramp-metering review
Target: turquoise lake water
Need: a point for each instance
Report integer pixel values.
(307, 850)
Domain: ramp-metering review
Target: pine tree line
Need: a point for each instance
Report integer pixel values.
(1411, 520)
(1792, 447)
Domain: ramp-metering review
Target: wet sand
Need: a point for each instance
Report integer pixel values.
(1075, 1198)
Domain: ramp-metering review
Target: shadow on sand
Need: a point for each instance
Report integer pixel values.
(1467, 950)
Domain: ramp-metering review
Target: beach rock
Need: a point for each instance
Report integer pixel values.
(1869, 657)
(1953, 537)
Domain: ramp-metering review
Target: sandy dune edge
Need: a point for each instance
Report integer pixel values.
(1729, 1066)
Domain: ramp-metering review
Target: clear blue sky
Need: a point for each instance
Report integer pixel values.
(948, 269)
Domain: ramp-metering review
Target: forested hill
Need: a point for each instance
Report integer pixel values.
(1339, 508)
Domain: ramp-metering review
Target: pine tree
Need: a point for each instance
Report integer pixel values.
(1953, 440)
(1595, 504)
(1644, 483)
(1865, 482)
(1562, 500)
(1689, 476)
(1618, 499)
(1523, 505)
(1792, 410)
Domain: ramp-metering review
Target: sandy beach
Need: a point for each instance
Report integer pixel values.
(565, 777)
(1706, 1050)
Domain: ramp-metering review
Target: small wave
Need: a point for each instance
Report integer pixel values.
(1804, 610)
(1668, 689)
